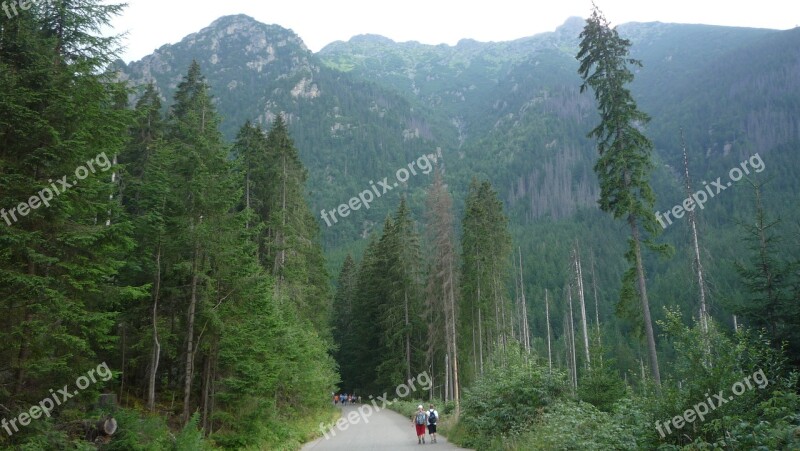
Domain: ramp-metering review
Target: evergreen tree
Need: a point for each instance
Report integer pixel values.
(366, 320)
(770, 283)
(144, 189)
(62, 251)
(293, 249)
(486, 250)
(400, 300)
(408, 287)
(624, 151)
(345, 334)
(203, 190)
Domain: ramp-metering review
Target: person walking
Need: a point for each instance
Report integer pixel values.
(420, 419)
(433, 418)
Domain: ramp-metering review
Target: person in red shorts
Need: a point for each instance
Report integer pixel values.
(420, 419)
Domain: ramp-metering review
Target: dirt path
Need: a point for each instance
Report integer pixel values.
(381, 430)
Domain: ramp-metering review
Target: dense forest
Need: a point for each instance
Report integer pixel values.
(494, 218)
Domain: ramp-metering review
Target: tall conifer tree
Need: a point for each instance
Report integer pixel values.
(624, 164)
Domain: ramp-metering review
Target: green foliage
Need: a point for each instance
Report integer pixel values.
(576, 426)
(707, 363)
(600, 385)
(60, 109)
(772, 283)
(190, 438)
(138, 432)
(486, 252)
(624, 150)
(382, 334)
(509, 398)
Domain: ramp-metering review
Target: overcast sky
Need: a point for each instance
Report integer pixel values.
(152, 23)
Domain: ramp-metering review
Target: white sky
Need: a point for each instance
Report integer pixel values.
(152, 23)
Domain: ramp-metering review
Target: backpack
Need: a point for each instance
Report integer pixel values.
(432, 417)
(420, 418)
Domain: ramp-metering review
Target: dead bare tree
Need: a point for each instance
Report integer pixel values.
(581, 299)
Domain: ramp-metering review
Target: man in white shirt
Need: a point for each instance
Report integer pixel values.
(433, 419)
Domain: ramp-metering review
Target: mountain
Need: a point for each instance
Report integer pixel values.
(512, 112)
(348, 129)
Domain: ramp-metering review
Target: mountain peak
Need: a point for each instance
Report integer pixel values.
(571, 27)
(231, 19)
(370, 39)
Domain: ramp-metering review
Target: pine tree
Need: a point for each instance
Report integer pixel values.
(61, 254)
(367, 326)
(293, 249)
(768, 279)
(486, 250)
(345, 334)
(144, 189)
(624, 155)
(204, 189)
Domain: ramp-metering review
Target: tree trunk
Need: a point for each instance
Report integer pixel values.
(549, 348)
(596, 305)
(207, 376)
(187, 386)
(696, 246)
(572, 337)
(480, 341)
(474, 349)
(648, 323)
(156, 351)
(526, 331)
(456, 388)
(408, 339)
(447, 375)
(579, 278)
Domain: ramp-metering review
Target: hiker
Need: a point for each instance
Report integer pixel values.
(336, 400)
(419, 419)
(344, 399)
(433, 418)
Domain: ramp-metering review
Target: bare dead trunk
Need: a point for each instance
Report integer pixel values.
(596, 305)
(572, 336)
(447, 375)
(527, 329)
(549, 348)
(456, 388)
(585, 328)
(696, 245)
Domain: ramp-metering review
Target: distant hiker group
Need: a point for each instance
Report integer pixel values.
(344, 398)
(422, 418)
